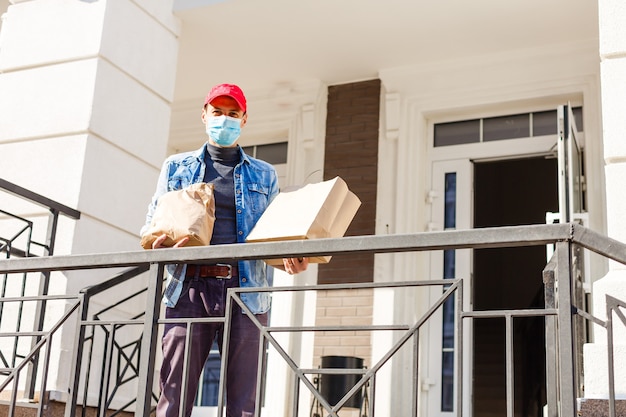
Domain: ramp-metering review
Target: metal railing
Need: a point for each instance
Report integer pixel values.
(562, 370)
(10, 246)
(7, 244)
(127, 353)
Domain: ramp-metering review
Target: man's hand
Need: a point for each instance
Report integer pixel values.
(159, 240)
(295, 265)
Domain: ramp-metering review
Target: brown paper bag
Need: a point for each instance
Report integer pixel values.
(188, 212)
(313, 211)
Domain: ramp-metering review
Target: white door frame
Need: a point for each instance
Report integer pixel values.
(460, 159)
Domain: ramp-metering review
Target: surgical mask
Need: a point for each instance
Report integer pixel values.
(224, 130)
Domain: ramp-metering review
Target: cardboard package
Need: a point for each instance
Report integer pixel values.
(313, 211)
(187, 212)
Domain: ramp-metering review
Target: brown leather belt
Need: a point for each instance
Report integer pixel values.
(222, 271)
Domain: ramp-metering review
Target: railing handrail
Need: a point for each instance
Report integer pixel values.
(39, 199)
(562, 235)
(511, 236)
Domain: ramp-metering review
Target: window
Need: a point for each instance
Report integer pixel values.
(457, 133)
(449, 261)
(273, 153)
(489, 129)
(507, 127)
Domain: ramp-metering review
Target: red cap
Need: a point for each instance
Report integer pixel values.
(229, 90)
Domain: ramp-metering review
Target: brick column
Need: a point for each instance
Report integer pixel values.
(351, 152)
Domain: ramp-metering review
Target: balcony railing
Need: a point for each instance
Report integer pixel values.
(15, 242)
(129, 360)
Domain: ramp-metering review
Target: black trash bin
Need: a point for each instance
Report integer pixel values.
(334, 386)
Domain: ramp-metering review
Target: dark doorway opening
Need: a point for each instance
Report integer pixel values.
(508, 193)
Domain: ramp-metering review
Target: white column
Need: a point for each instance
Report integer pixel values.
(612, 14)
(85, 95)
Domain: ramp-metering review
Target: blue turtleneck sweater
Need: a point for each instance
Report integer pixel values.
(219, 171)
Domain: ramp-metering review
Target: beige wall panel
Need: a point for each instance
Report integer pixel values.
(141, 46)
(613, 108)
(50, 167)
(129, 115)
(36, 32)
(116, 190)
(46, 101)
(616, 203)
(612, 15)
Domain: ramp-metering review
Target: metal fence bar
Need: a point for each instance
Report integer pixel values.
(415, 375)
(458, 317)
(550, 332)
(613, 306)
(44, 378)
(44, 285)
(372, 396)
(106, 370)
(259, 376)
(452, 239)
(16, 380)
(487, 237)
(510, 398)
(610, 358)
(598, 243)
(77, 355)
(296, 397)
(149, 340)
(184, 385)
(38, 199)
(565, 341)
(92, 341)
(228, 312)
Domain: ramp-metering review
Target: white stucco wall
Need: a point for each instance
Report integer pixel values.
(612, 53)
(84, 120)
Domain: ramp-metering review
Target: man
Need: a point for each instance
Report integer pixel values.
(243, 188)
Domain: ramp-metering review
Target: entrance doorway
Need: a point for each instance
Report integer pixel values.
(507, 193)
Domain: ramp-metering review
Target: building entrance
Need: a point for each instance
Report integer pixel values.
(507, 193)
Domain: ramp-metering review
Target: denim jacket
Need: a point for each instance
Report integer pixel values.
(256, 184)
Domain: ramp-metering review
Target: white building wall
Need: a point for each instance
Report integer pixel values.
(612, 14)
(85, 94)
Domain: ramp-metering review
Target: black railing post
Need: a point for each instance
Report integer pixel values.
(40, 311)
(149, 341)
(77, 356)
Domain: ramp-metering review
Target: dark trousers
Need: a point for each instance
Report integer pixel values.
(205, 297)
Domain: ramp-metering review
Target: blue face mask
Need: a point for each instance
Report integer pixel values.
(224, 130)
